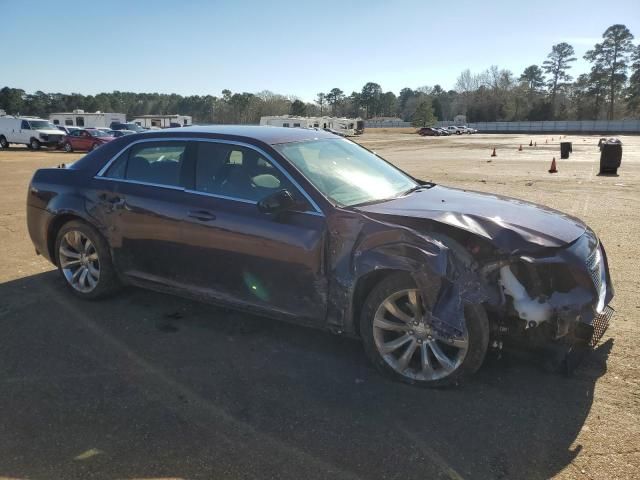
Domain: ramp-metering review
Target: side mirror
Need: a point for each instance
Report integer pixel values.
(276, 202)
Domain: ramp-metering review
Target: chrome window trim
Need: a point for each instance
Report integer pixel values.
(100, 175)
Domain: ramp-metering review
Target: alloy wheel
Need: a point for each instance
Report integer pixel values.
(79, 261)
(408, 343)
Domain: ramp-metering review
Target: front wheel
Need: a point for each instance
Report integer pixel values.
(94, 146)
(402, 344)
(34, 144)
(67, 147)
(84, 261)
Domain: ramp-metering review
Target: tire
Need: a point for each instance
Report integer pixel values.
(79, 246)
(464, 354)
(34, 144)
(3, 142)
(94, 146)
(67, 147)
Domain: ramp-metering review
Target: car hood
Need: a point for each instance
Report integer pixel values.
(49, 131)
(510, 224)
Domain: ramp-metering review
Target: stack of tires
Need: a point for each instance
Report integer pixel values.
(610, 156)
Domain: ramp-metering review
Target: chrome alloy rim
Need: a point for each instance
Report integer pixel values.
(409, 345)
(79, 261)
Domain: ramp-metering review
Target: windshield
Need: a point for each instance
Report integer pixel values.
(98, 133)
(345, 172)
(41, 125)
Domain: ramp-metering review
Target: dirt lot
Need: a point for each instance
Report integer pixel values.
(148, 386)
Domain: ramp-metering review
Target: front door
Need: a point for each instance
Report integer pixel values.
(241, 255)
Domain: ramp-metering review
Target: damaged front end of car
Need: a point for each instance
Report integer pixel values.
(556, 303)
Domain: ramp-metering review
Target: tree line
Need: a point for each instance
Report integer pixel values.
(609, 90)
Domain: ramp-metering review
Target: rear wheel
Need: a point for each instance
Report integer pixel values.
(401, 342)
(3, 142)
(84, 261)
(34, 144)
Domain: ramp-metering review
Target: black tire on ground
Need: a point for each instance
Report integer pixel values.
(3, 142)
(94, 146)
(67, 147)
(34, 144)
(477, 325)
(108, 282)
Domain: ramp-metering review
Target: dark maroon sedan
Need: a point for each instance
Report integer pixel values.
(85, 139)
(305, 226)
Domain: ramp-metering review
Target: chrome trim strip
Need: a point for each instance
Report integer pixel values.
(211, 140)
(224, 197)
(136, 182)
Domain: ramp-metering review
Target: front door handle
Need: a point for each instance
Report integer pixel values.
(202, 215)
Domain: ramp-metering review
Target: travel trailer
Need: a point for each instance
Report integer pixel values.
(344, 126)
(163, 121)
(82, 119)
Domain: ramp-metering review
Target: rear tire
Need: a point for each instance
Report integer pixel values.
(3, 142)
(84, 261)
(433, 361)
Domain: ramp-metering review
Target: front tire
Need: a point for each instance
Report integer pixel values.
(405, 347)
(34, 144)
(84, 261)
(67, 147)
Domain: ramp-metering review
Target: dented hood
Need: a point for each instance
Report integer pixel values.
(512, 225)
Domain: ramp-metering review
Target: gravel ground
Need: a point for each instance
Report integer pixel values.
(150, 386)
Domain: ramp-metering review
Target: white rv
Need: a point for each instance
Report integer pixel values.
(342, 126)
(30, 131)
(82, 119)
(163, 121)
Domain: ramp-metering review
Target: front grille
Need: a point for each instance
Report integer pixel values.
(600, 325)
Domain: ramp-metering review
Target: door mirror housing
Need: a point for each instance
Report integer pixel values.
(276, 202)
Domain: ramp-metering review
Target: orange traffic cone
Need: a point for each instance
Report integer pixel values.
(520, 148)
(494, 154)
(531, 143)
(553, 168)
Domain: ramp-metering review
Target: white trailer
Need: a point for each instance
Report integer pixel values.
(163, 121)
(80, 118)
(345, 126)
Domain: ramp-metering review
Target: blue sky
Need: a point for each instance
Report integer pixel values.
(290, 47)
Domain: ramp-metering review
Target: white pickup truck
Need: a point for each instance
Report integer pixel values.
(30, 131)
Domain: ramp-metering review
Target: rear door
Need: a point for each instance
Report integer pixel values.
(241, 255)
(143, 204)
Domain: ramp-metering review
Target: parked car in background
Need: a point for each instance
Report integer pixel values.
(443, 131)
(305, 226)
(119, 133)
(429, 132)
(67, 129)
(30, 131)
(85, 139)
(127, 126)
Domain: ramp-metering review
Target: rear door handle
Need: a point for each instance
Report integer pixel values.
(202, 215)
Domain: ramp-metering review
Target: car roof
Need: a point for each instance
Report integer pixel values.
(266, 134)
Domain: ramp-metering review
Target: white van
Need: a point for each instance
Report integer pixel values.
(31, 131)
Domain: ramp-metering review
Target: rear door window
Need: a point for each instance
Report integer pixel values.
(158, 163)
